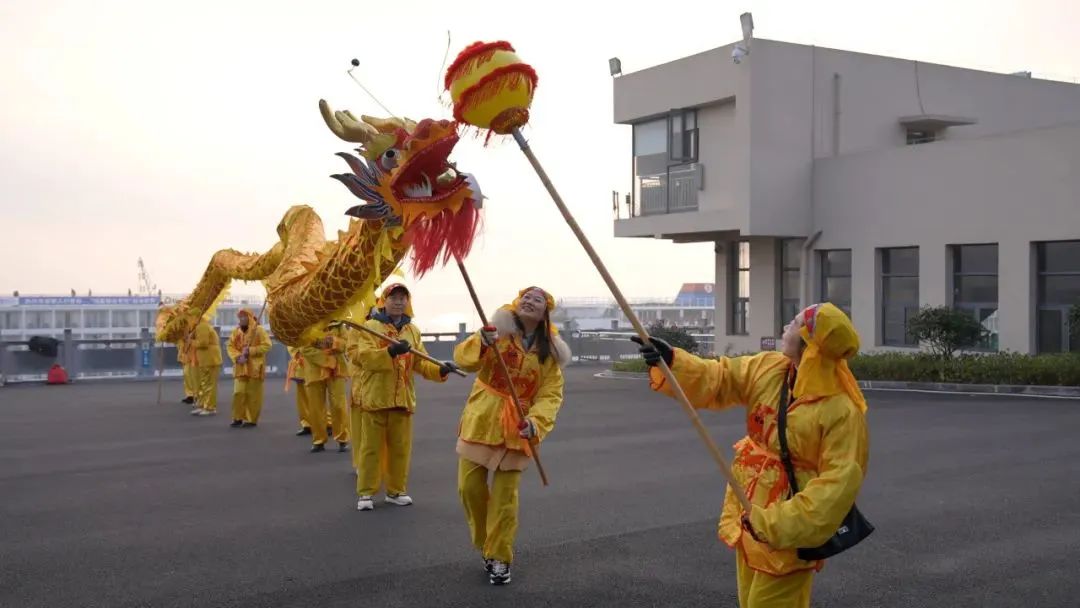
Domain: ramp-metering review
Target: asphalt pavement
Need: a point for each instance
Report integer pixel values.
(110, 500)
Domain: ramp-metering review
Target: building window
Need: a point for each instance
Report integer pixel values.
(39, 319)
(790, 275)
(123, 318)
(920, 136)
(96, 318)
(739, 291)
(1058, 264)
(68, 319)
(899, 294)
(10, 320)
(836, 278)
(147, 319)
(667, 177)
(975, 286)
(682, 136)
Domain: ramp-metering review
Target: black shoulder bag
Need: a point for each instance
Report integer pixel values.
(852, 530)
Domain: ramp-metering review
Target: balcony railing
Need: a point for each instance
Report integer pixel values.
(673, 191)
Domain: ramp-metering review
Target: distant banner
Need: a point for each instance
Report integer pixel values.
(88, 301)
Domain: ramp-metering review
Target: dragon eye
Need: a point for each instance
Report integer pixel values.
(389, 159)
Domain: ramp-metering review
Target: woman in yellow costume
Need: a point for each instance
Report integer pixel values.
(492, 442)
(247, 347)
(325, 376)
(207, 346)
(383, 389)
(826, 435)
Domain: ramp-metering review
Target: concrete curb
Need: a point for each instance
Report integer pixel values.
(1062, 392)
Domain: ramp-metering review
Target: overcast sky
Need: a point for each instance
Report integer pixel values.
(169, 130)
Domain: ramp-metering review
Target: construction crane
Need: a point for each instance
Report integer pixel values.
(146, 286)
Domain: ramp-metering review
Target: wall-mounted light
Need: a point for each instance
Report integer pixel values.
(614, 66)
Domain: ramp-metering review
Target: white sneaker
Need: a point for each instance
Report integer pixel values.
(208, 413)
(196, 411)
(499, 573)
(365, 504)
(401, 500)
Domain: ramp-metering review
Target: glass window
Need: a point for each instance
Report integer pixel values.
(123, 318)
(650, 138)
(1060, 256)
(1058, 290)
(147, 318)
(975, 259)
(740, 288)
(836, 278)
(10, 320)
(96, 318)
(975, 286)
(39, 319)
(899, 294)
(68, 319)
(790, 280)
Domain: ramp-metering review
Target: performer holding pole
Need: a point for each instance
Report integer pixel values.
(518, 361)
(384, 390)
(248, 346)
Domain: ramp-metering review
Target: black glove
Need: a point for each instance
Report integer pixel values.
(399, 348)
(446, 368)
(658, 349)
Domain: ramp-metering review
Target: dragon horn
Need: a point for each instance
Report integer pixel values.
(346, 127)
(388, 125)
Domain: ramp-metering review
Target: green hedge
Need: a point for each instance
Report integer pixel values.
(996, 368)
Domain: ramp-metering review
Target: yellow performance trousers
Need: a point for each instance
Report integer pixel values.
(191, 381)
(301, 405)
(320, 393)
(247, 399)
(385, 446)
(208, 381)
(761, 590)
(492, 514)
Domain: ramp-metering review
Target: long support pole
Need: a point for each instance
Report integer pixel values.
(423, 356)
(535, 448)
(629, 312)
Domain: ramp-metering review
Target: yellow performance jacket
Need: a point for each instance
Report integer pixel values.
(325, 363)
(489, 417)
(255, 367)
(829, 446)
(207, 345)
(381, 381)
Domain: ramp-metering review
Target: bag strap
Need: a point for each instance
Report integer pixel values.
(785, 454)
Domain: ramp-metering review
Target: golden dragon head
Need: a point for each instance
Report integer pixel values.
(405, 178)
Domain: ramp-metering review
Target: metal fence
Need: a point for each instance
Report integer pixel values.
(140, 359)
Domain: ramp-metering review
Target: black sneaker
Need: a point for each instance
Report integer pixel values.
(236, 423)
(250, 425)
(342, 447)
(188, 400)
(499, 573)
(304, 431)
(318, 448)
(487, 564)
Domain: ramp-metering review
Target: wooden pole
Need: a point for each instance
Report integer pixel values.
(629, 312)
(423, 356)
(533, 444)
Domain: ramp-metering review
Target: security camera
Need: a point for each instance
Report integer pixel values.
(738, 53)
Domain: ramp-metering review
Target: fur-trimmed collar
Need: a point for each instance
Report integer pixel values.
(503, 320)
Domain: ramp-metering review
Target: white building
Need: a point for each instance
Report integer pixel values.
(876, 183)
(106, 317)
